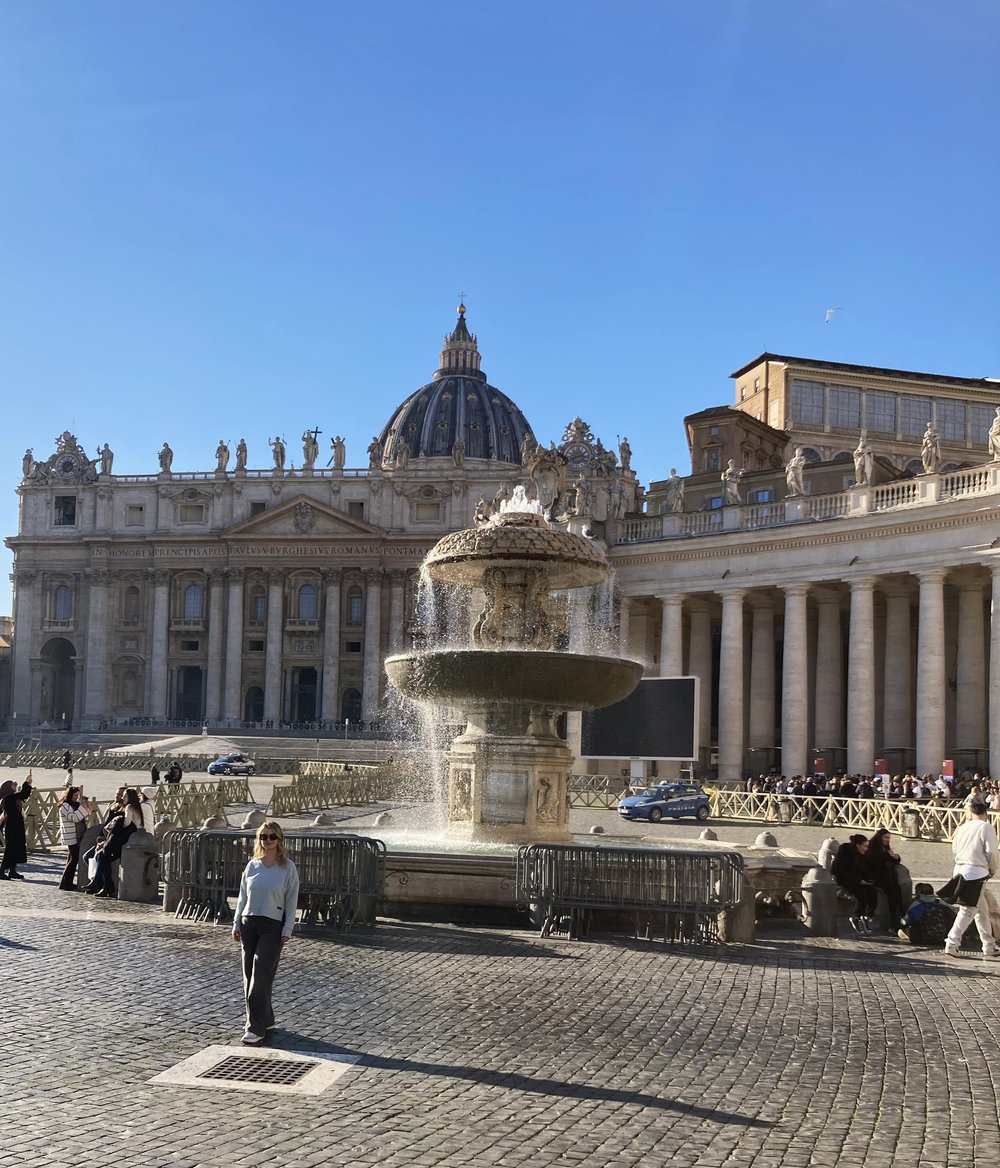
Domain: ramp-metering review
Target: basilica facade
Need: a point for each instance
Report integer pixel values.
(835, 620)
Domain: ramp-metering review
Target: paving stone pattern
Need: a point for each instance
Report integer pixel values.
(486, 1047)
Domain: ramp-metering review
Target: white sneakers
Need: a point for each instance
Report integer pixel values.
(251, 1039)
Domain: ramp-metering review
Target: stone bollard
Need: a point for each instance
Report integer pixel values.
(253, 820)
(827, 850)
(214, 822)
(323, 820)
(738, 924)
(765, 840)
(161, 828)
(139, 878)
(707, 834)
(819, 902)
(596, 829)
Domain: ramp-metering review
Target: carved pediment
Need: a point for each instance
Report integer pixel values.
(300, 517)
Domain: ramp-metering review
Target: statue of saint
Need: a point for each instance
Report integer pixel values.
(458, 452)
(107, 457)
(625, 454)
(28, 463)
(482, 513)
(930, 450)
(221, 456)
(794, 482)
(339, 455)
(583, 496)
(731, 482)
(528, 445)
(241, 454)
(402, 454)
(278, 451)
(864, 460)
(992, 444)
(374, 454)
(674, 501)
(166, 458)
(310, 450)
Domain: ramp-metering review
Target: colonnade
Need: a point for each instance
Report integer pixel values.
(902, 666)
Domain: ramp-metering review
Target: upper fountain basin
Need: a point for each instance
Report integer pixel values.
(477, 678)
(517, 540)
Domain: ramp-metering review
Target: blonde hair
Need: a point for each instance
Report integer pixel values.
(281, 851)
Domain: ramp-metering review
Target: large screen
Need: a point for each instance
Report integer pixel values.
(659, 719)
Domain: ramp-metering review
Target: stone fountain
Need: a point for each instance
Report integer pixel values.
(509, 771)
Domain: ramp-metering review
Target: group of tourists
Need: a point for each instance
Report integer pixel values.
(863, 866)
(128, 812)
(939, 791)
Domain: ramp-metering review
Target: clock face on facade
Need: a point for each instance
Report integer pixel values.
(579, 455)
(67, 466)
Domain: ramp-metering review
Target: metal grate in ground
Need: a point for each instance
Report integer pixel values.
(235, 1068)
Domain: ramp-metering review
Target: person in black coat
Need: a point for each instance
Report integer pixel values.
(880, 866)
(15, 838)
(849, 869)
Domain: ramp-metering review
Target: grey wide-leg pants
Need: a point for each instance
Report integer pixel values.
(261, 941)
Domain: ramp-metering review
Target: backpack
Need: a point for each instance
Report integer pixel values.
(933, 926)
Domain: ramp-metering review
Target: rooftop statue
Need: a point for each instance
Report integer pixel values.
(794, 479)
(625, 454)
(221, 456)
(993, 441)
(674, 501)
(731, 482)
(864, 460)
(107, 457)
(278, 451)
(930, 450)
(310, 449)
(339, 455)
(458, 452)
(166, 457)
(241, 454)
(374, 454)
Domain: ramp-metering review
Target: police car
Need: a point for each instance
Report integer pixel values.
(667, 799)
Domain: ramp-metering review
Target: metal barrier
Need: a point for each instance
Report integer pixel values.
(687, 889)
(340, 876)
(911, 820)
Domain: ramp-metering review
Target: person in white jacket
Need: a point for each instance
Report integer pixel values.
(976, 850)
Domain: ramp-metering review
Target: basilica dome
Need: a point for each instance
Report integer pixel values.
(458, 404)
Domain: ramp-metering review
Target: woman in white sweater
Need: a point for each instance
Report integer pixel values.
(265, 917)
(74, 810)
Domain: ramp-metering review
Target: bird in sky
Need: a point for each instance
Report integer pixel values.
(829, 315)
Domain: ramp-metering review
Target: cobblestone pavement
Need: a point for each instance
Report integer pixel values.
(491, 1047)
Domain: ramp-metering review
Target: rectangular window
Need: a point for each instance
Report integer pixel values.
(190, 646)
(914, 414)
(805, 402)
(762, 495)
(756, 384)
(880, 412)
(844, 407)
(355, 610)
(713, 460)
(356, 509)
(255, 646)
(135, 515)
(743, 393)
(980, 420)
(711, 503)
(65, 511)
(257, 508)
(713, 431)
(192, 513)
(950, 416)
(258, 608)
(427, 512)
(352, 647)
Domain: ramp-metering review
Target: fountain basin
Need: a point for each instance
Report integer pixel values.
(476, 678)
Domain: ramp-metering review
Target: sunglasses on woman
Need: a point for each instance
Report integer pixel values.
(268, 836)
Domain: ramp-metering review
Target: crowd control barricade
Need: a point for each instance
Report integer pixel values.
(341, 877)
(683, 889)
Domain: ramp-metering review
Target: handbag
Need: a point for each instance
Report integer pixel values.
(81, 830)
(950, 892)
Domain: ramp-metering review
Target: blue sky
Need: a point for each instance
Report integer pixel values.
(225, 219)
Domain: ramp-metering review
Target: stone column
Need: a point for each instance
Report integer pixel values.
(158, 667)
(213, 673)
(829, 705)
(232, 704)
(995, 671)
(861, 679)
(624, 627)
(372, 669)
(970, 704)
(27, 619)
(330, 698)
(94, 708)
(397, 592)
(672, 636)
(700, 665)
(930, 673)
(795, 684)
(897, 716)
(275, 639)
(761, 728)
(731, 688)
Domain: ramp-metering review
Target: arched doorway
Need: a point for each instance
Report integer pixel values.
(303, 695)
(189, 700)
(57, 687)
(350, 706)
(253, 705)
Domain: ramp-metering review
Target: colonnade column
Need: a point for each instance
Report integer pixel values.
(761, 730)
(700, 665)
(897, 717)
(372, 669)
(861, 679)
(275, 635)
(795, 684)
(731, 688)
(396, 615)
(97, 632)
(330, 704)
(970, 703)
(157, 704)
(672, 636)
(930, 673)
(213, 674)
(828, 710)
(995, 671)
(231, 704)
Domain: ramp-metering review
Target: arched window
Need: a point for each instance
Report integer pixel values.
(307, 602)
(355, 606)
(194, 602)
(63, 603)
(130, 688)
(132, 603)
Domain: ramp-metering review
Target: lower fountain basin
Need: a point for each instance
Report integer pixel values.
(471, 678)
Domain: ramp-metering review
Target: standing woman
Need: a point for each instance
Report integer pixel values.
(265, 916)
(880, 864)
(15, 849)
(74, 811)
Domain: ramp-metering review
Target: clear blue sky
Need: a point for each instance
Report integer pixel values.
(223, 219)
